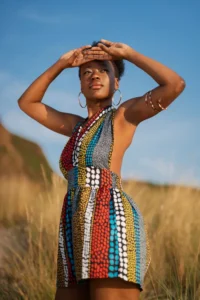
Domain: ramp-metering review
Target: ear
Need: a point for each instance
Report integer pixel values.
(116, 83)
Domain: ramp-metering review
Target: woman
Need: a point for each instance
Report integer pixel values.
(103, 250)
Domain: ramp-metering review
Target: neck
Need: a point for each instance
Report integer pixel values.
(95, 107)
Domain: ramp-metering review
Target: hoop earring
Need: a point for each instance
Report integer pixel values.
(120, 98)
(80, 101)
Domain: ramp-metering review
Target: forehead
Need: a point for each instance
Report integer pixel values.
(97, 64)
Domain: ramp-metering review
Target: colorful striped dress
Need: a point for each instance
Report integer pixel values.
(102, 233)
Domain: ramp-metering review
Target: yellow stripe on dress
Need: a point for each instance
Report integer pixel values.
(78, 225)
(130, 233)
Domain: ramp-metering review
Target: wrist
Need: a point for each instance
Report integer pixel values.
(62, 64)
(131, 54)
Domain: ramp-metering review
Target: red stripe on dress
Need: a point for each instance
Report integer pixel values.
(66, 156)
(99, 258)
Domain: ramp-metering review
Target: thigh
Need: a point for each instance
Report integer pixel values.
(113, 289)
(77, 292)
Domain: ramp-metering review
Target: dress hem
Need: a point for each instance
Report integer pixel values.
(83, 281)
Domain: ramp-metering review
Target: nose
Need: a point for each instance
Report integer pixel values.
(95, 74)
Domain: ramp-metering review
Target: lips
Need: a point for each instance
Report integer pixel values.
(96, 85)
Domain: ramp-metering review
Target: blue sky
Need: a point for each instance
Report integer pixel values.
(34, 35)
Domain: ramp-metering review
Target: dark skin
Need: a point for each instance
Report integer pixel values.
(104, 72)
(131, 112)
(127, 117)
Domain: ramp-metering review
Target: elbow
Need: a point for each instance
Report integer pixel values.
(180, 85)
(20, 103)
(177, 85)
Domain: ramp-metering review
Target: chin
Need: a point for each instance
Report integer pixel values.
(98, 96)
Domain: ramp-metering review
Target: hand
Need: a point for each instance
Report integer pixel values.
(75, 58)
(113, 50)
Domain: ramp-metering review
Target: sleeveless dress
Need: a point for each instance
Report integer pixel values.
(102, 233)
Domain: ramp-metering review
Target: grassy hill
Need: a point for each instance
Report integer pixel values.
(29, 224)
(21, 157)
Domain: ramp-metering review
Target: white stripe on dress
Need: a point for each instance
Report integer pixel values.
(62, 250)
(121, 232)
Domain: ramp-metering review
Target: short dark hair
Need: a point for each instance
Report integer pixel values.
(120, 66)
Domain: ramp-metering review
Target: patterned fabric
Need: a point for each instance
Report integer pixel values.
(102, 233)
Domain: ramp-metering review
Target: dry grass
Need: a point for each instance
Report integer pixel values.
(29, 218)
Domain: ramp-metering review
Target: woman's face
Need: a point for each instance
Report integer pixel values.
(98, 79)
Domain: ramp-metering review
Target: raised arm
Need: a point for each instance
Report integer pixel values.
(31, 100)
(136, 110)
(151, 103)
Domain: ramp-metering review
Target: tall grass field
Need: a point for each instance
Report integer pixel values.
(29, 221)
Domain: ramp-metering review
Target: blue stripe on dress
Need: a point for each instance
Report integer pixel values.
(69, 232)
(137, 244)
(114, 247)
(76, 171)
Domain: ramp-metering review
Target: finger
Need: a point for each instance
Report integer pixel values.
(87, 52)
(97, 56)
(102, 53)
(92, 48)
(109, 43)
(103, 47)
(95, 48)
(87, 46)
(76, 53)
(79, 50)
(85, 60)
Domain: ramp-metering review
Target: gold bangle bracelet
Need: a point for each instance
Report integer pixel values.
(145, 99)
(159, 104)
(150, 101)
(148, 97)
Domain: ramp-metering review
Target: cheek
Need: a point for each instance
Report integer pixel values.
(82, 84)
(109, 86)
(111, 80)
(84, 81)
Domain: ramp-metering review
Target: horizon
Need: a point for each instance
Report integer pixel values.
(165, 148)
